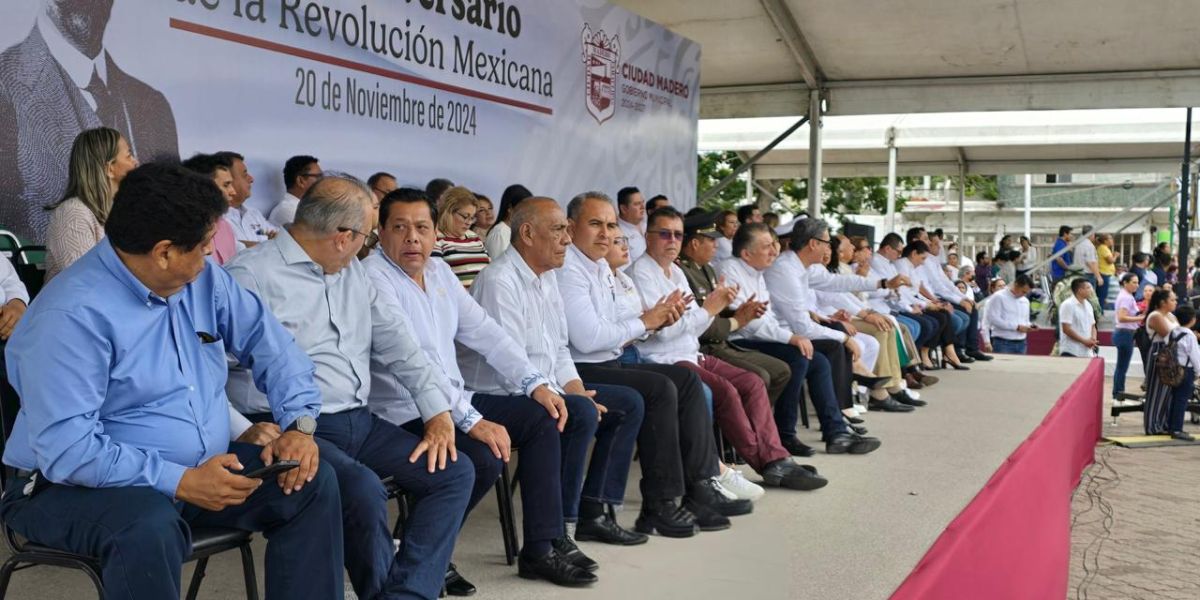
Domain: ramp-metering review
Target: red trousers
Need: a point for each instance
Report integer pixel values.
(742, 410)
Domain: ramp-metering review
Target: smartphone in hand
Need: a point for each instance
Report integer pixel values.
(269, 471)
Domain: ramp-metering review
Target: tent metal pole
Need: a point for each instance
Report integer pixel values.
(815, 154)
(730, 178)
(1185, 188)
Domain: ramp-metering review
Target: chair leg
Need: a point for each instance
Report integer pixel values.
(508, 526)
(248, 571)
(401, 516)
(804, 407)
(197, 577)
(6, 572)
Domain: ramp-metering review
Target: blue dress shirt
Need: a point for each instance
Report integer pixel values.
(121, 388)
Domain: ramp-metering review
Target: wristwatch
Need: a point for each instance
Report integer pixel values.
(304, 424)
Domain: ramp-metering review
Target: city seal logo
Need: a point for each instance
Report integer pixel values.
(601, 59)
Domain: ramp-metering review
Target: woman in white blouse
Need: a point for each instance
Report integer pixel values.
(629, 304)
(100, 158)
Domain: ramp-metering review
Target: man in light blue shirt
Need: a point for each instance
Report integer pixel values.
(123, 433)
(309, 277)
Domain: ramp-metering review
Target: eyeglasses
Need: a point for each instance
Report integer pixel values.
(830, 242)
(467, 218)
(667, 235)
(352, 230)
(621, 241)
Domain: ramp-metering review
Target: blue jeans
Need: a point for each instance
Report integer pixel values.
(1179, 400)
(968, 338)
(141, 537)
(608, 471)
(1123, 340)
(960, 321)
(362, 448)
(1003, 346)
(913, 325)
(1102, 290)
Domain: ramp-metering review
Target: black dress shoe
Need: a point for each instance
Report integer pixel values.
(888, 405)
(977, 355)
(566, 548)
(785, 473)
(666, 519)
(849, 443)
(606, 530)
(1183, 436)
(903, 398)
(871, 383)
(859, 430)
(966, 359)
(854, 420)
(953, 365)
(797, 447)
(707, 517)
(456, 585)
(555, 568)
(705, 492)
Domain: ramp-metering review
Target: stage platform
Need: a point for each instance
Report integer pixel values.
(857, 538)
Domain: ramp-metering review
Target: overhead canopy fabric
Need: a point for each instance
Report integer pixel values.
(1078, 141)
(761, 58)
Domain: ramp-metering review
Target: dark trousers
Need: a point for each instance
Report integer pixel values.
(969, 339)
(1180, 396)
(676, 440)
(1123, 340)
(819, 377)
(840, 369)
(741, 408)
(542, 463)
(612, 454)
(362, 448)
(142, 537)
(775, 373)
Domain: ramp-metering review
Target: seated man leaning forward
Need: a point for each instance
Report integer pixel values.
(122, 442)
(308, 275)
(441, 313)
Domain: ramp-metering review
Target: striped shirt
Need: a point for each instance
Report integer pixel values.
(465, 255)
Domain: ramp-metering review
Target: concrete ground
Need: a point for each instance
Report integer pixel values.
(858, 538)
(1137, 521)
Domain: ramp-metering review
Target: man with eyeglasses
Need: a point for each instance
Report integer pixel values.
(299, 174)
(310, 280)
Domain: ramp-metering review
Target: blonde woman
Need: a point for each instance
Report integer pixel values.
(456, 243)
(100, 158)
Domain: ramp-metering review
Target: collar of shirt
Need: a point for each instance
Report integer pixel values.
(78, 66)
(114, 264)
(628, 227)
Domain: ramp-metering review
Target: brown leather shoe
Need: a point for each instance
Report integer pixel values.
(913, 382)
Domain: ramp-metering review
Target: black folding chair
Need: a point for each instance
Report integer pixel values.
(30, 262)
(206, 542)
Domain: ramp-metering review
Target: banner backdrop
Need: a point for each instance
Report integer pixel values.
(562, 96)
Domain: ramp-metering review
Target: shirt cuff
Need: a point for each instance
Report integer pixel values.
(533, 381)
(168, 479)
(636, 328)
(469, 420)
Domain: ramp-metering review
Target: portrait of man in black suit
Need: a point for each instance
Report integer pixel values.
(54, 84)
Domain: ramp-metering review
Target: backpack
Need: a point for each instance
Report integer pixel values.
(1168, 369)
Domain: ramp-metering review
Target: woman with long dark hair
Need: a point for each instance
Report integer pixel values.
(1165, 405)
(499, 237)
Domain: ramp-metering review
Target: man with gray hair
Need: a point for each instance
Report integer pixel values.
(310, 279)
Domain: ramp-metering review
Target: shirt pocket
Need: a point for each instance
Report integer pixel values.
(214, 367)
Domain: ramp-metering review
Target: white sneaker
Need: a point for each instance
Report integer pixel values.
(735, 486)
(860, 409)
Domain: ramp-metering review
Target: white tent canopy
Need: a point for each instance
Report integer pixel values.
(1075, 141)
(873, 57)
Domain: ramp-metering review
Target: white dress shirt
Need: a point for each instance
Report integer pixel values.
(767, 328)
(1005, 313)
(637, 239)
(530, 309)
(498, 240)
(341, 323)
(248, 224)
(1187, 350)
(284, 213)
(910, 296)
(11, 286)
(681, 341)
(1081, 318)
(788, 281)
(724, 249)
(938, 281)
(629, 302)
(441, 315)
(597, 330)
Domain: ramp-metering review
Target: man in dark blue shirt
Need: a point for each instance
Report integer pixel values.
(1060, 264)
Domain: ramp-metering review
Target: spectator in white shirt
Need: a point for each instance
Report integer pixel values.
(727, 226)
(13, 299)
(530, 413)
(1008, 316)
(966, 320)
(250, 227)
(740, 403)
(754, 249)
(678, 453)
(1086, 257)
(1077, 322)
(938, 315)
(299, 173)
(497, 240)
(631, 207)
